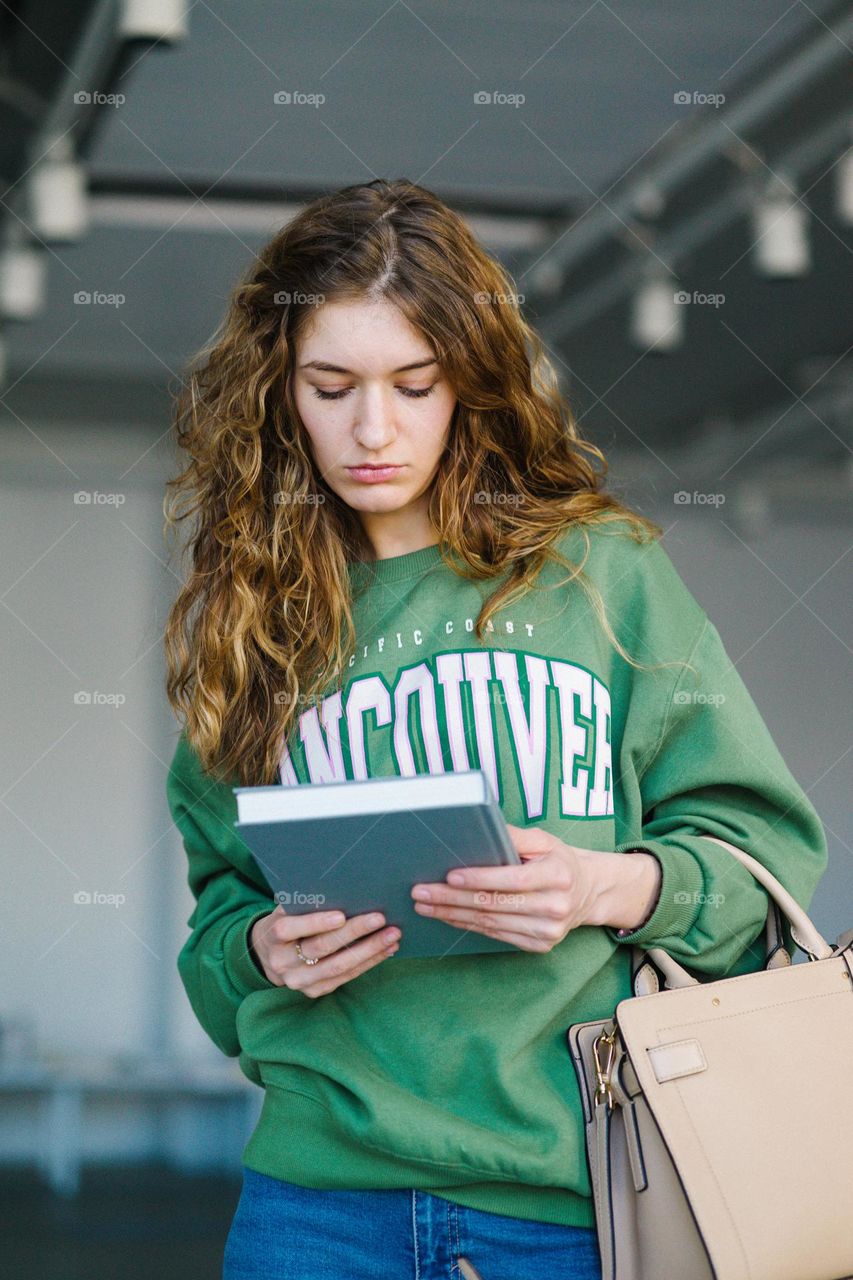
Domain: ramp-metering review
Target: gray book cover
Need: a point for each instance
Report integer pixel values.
(368, 861)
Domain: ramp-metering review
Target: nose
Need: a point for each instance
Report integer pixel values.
(374, 428)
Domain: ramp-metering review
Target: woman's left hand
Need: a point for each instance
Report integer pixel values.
(532, 906)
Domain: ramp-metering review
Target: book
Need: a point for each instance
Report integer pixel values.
(359, 846)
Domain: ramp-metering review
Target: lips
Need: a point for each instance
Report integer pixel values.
(371, 473)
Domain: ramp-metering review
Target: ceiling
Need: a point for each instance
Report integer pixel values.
(199, 165)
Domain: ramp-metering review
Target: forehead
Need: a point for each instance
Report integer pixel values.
(373, 336)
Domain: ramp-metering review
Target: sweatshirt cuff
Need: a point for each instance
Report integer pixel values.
(679, 898)
(240, 965)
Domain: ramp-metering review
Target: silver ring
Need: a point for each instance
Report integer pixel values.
(302, 957)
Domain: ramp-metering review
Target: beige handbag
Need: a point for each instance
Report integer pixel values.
(719, 1114)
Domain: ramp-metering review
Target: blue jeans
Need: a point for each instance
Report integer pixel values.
(282, 1231)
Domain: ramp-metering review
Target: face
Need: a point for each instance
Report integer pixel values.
(370, 393)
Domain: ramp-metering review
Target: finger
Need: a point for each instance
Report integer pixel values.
(521, 924)
(286, 927)
(530, 901)
(340, 962)
(355, 927)
(331, 984)
(530, 841)
(534, 874)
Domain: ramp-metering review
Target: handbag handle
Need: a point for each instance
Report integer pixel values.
(803, 931)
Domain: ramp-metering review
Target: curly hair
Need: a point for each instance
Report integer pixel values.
(263, 623)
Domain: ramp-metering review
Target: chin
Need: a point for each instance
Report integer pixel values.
(368, 498)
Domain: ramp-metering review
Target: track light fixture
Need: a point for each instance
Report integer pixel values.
(57, 194)
(657, 320)
(780, 227)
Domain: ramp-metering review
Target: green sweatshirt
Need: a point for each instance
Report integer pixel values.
(452, 1075)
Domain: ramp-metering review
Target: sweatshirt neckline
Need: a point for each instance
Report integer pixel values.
(396, 568)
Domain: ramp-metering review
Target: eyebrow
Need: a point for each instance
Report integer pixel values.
(325, 367)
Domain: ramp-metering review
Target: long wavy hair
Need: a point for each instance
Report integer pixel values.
(263, 624)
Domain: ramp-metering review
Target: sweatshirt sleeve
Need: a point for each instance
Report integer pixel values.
(216, 964)
(712, 770)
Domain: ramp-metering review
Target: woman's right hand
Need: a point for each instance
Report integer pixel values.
(323, 937)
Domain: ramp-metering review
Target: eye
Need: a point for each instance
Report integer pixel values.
(411, 392)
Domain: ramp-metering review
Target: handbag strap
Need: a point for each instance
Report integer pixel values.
(803, 931)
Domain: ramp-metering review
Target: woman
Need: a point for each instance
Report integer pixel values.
(403, 560)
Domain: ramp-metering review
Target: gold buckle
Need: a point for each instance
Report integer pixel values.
(602, 1085)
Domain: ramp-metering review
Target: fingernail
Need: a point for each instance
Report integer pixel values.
(392, 935)
(376, 919)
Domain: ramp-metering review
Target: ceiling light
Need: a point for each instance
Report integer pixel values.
(153, 20)
(657, 313)
(780, 231)
(22, 281)
(57, 191)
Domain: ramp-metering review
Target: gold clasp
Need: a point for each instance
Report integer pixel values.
(602, 1073)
